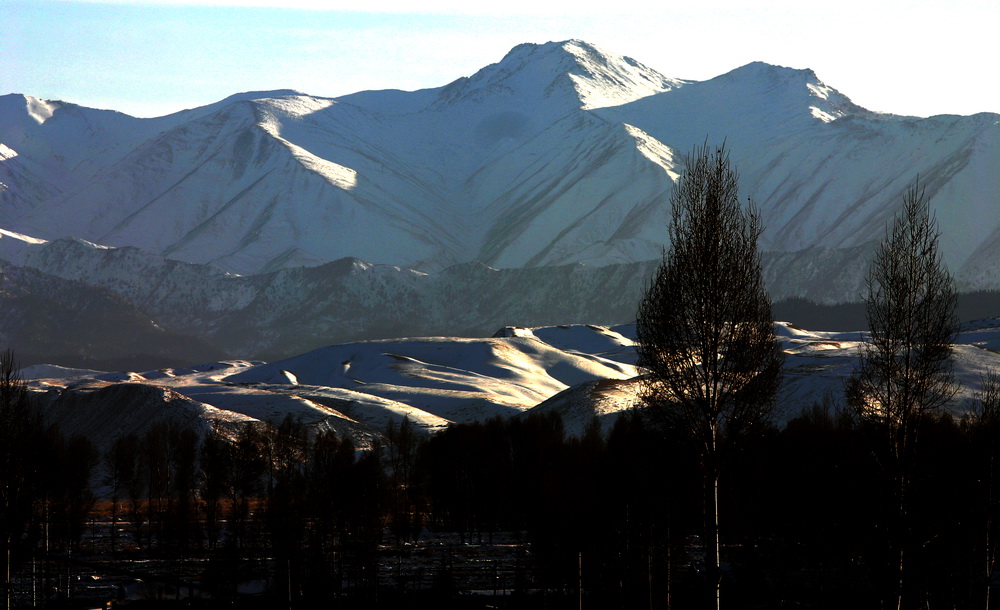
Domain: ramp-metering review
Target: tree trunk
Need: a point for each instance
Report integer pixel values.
(713, 565)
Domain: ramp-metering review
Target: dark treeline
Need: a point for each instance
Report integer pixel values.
(971, 306)
(805, 511)
(266, 504)
(275, 504)
(806, 508)
(46, 494)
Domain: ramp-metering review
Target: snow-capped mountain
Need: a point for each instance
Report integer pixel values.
(272, 222)
(478, 170)
(829, 174)
(559, 153)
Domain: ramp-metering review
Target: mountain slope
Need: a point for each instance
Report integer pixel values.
(827, 173)
(273, 222)
(49, 319)
(280, 179)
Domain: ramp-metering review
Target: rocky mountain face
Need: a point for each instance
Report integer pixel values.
(51, 319)
(532, 192)
(285, 312)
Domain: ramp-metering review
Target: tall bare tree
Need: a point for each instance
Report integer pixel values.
(984, 425)
(904, 372)
(705, 332)
(21, 448)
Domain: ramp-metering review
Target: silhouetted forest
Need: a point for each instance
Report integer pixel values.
(511, 507)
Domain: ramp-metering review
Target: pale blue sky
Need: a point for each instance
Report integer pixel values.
(149, 58)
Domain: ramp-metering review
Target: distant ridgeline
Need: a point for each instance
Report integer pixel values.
(851, 316)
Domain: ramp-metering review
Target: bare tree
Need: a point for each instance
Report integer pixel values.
(984, 425)
(127, 452)
(904, 372)
(401, 451)
(245, 467)
(22, 440)
(705, 334)
(213, 459)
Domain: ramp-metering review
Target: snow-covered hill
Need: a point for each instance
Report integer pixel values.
(581, 372)
(357, 388)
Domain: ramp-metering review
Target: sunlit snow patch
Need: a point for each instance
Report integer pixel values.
(826, 117)
(25, 238)
(334, 173)
(40, 110)
(820, 91)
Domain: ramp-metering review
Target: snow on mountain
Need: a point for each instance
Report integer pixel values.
(21, 186)
(371, 412)
(746, 107)
(456, 379)
(249, 223)
(565, 199)
(353, 389)
(609, 343)
(66, 141)
(356, 389)
(827, 173)
(105, 411)
(573, 71)
(559, 153)
(177, 311)
(199, 192)
(14, 246)
(602, 400)
(816, 365)
(487, 169)
(282, 313)
(277, 315)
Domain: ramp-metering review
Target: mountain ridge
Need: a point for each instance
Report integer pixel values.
(430, 176)
(552, 166)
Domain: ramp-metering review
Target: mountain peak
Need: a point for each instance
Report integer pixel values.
(762, 69)
(566, 52)
(37, 110)
(573, 70)
(259, 95)
(793, 85)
